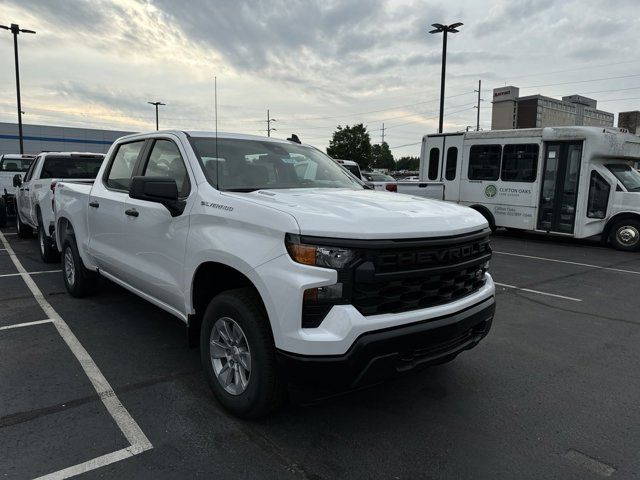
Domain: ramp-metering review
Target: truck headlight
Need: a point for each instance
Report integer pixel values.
(318, 255)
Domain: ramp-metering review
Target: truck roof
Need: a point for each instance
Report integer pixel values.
(209, 134)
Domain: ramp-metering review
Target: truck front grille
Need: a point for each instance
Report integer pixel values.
(428, 290)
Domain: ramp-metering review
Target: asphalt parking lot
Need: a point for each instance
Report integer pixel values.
(107, 387)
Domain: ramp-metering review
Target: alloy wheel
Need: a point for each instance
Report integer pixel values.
(230, 355)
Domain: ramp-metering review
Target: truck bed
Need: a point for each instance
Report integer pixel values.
(434, 190)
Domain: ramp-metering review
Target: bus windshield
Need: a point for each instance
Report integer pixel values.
(628, 176)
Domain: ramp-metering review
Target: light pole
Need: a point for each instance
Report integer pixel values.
(15, 30)
(444, 29)
(157, 104)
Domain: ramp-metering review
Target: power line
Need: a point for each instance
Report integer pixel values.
(582, 81)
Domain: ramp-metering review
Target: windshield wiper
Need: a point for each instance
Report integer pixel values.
(241, 190)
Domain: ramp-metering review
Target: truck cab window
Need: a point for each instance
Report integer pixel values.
(122, 165)
(434, 157)
(484, 162)
(520, 163)
(452, 163)
(598, 200)
(165, 161)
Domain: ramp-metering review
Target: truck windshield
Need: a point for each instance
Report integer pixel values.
(71, 166)
(15, 164)
(629, 177)
(247, 165)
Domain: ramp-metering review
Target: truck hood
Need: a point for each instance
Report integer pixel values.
(367, 214)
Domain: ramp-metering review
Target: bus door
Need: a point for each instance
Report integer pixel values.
(559, 191)
(451, 166)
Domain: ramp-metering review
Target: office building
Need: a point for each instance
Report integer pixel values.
(41, 138)
(510, 110)
(630, 121)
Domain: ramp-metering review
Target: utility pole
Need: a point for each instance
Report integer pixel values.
(269, 127)
(439, 28)
(478, 107)
(383, 133)
(15, 30)
(157, 104)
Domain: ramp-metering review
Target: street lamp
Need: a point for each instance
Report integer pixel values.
(15, 30)
(438, 27)
(157, 104)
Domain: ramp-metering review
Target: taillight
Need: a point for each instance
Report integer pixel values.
(392, 187)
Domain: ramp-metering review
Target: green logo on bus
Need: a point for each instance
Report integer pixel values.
(490, 191)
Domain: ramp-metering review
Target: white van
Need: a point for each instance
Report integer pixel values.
(571, 181)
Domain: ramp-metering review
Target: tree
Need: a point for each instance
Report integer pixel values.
(408, 163)
(351, 143)
(381, 157)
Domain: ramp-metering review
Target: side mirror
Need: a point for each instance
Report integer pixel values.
(160, 190)
(17, 180)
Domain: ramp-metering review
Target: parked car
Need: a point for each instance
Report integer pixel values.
(10, 166)
(36, 190)
(352, 166)
(380, 181)
(281, 274)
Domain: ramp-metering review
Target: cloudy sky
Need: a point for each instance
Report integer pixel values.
(314, 64)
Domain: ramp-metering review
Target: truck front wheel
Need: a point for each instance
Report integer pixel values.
(625, 235)
(238, 354)
(78, 279)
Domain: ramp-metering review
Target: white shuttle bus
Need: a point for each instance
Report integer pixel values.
(571, 181)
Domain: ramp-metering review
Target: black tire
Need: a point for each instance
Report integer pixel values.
(265, 390)
(625, 235)
(24, 231)
(3, 213)
(82, 282)
(48, 250)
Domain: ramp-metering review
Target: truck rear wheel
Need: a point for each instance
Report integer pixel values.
(78, 280)
(24, 231)
(48, 251)
(238, 354)
(625, 235)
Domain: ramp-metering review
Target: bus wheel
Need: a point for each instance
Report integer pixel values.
(625, 235)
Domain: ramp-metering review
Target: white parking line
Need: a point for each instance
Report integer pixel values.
(29, 273)
(92, 464)
(538, 292)
(26, 324)
(619, 270)
(128, 426)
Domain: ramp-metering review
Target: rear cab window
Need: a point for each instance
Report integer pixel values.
(15, 164)
(75, 166)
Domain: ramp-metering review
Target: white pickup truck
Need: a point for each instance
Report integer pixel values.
(11, 165)
(284, 267)
(35, 193)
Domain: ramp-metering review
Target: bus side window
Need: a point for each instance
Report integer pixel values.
(452, 163)
(484, 162)
(434, 157)
(520, 162)
(598, 201)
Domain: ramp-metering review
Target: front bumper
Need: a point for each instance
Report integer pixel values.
(377, 355)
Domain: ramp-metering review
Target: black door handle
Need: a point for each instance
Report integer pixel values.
(132, 212)
(94, 204)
